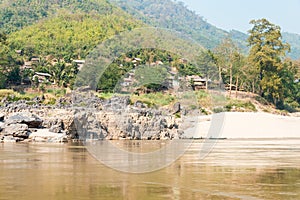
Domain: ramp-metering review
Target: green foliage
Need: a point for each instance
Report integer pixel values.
(58, 92)
(69, 36)
(3, 80)
(174, 15)
(207, 65)
(156, 99)
(17, 14)
(14, 76)
(5, 93)
(156, 73)
(267, 50)
(9, 64)
(104, 95)
(240, 106)
(13, 96)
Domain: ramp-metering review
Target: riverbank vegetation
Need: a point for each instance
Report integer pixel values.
(42, 52)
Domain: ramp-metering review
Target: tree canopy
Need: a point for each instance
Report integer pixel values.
(267, 55)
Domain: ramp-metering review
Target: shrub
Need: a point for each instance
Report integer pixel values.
(5, 93)
(154, 99)
(240, 106)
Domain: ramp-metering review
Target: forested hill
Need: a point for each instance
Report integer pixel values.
(66, 29)
(175, 15)
(42, 23)
(17, 14)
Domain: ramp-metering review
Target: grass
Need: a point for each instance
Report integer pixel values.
(105, 95)
(50, 95)
(240, 106)
(58, 92)
(157, 99)
(12, 96)
(5, 93)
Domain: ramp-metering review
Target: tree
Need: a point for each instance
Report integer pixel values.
(14, 76)
(9, 71)
(226, 55)
(63, 74)
(207, 65)
(266, 55)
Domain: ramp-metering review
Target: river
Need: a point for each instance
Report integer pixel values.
(234, 169)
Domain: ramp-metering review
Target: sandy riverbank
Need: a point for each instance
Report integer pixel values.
(248, 125)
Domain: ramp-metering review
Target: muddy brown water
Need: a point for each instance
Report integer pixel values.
(234, 169)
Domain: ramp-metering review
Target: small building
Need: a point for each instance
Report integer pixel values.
(127, 82)
(35, 60)
(197, 82)
(41, 77)
(80, 63)
(27, 65)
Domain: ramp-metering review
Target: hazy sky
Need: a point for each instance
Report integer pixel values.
(236, 14)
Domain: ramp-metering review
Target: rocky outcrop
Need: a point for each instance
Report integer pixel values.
(89, 118)
(27, 118)
(17, 130)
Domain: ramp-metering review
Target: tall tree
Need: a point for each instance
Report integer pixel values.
(207, 66)
(226, 55)
(9, 71)
(266, 55)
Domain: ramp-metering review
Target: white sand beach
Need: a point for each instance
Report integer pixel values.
(248, 125)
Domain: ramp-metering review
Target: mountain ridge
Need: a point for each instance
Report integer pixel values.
(16, 15)
(211, 35)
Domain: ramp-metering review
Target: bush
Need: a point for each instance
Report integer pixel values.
(5, 93)
(105, 95)
(219, 110)
(154, 99)
(240, 106)
(291, 107)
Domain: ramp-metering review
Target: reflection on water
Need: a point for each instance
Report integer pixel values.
(235, 169)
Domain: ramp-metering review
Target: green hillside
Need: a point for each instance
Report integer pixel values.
(64, 29)
(172, 15)
(176, 16)
(69, 35)
(17, 14)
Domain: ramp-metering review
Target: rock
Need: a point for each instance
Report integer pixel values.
(2, 126)
(2, 116)
(54, 125)
(30, 119)
(43, 135)
(56, 129)
(139, 104)
(17, 130)
(27, 140)
(9, 139)
(39, 139)
(176, 108)
(37, 100)
(117, 103)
